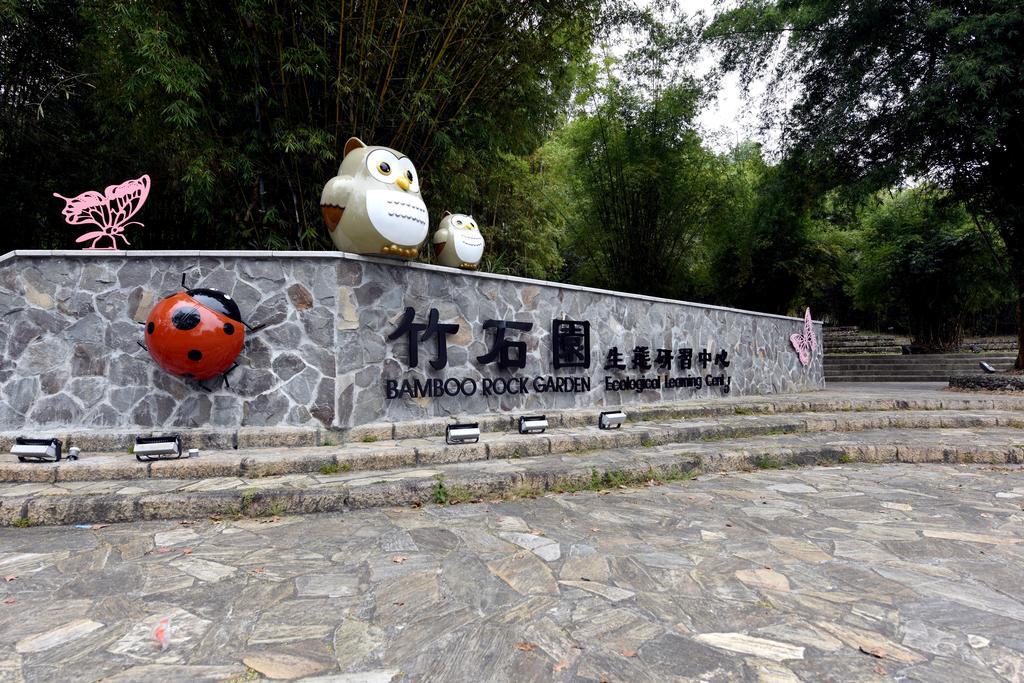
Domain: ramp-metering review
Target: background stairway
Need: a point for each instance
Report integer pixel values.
(855, 356)
(989, 344)
(913, 368)
(849, 339)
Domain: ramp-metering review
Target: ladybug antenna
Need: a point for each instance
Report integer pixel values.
(183, 285)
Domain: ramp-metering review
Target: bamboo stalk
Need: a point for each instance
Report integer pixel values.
(337, 71)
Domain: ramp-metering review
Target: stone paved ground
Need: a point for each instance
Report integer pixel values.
(859, 572)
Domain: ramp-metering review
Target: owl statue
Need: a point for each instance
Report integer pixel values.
(373, 205)
(458, 242)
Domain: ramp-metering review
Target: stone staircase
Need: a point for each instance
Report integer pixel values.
(849, 339)
(409, 463)
(938, 367)
(989, 344)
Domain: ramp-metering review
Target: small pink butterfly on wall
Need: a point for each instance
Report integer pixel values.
(109, 211)
(807, 343)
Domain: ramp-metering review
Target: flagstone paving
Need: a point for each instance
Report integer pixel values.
(857, 572)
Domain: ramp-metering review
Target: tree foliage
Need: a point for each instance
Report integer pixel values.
(239, 110)
(893, 90)
(924, 267)
(645, 189)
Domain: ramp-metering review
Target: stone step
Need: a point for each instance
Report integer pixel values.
(991, 346)
(115, 440)
(942, 377)
(859, 335)
(902, 372)
(866, 347)
(118, 501)
(919, 359)
(866, 350)
(861, 338)
(900, 379)
(910, 371)
(431, 451)
(914, 369)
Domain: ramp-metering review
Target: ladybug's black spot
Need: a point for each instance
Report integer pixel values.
(189, 375)
(150, 327)
(229, 328)
(195, 354)
(185, 317)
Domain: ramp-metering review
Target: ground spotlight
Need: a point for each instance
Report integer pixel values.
(157, 447)
(987, 368)
(611, 419)
(462, 433)
(36, 450)
(533, 424)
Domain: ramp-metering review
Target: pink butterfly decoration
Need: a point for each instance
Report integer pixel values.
(109, 211)
(807, 343)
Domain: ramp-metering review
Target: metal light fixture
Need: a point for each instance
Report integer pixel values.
(611, 419)
(36, 450)
(987, 368)
(157, 447)
(533, 424)
(462, 433)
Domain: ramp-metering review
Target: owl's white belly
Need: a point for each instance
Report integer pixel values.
(399, 217)
(469, 246)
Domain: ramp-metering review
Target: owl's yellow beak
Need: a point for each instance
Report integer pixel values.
(403, 182)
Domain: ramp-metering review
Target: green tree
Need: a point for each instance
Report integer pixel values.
(520, 205)
(47, 136)
(239, 110)
(925, 267)
(645, 189)
(893, 90)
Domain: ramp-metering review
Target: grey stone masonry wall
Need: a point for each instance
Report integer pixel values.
(70, 327)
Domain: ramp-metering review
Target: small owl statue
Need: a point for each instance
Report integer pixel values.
(458, 242)
(373, 205)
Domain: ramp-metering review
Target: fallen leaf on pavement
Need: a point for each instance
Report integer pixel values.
(526, 647)
(10, 577)
(398, 559)
(162, 550)
(560, 666)
(186, 551)
(10, 601)
(629, 653)
(880, 670)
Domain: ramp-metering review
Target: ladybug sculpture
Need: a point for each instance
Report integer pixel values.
(196, 334)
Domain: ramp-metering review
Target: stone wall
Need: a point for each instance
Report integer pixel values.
(70, 327)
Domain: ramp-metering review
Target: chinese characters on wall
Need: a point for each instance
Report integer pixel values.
(570, 348)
